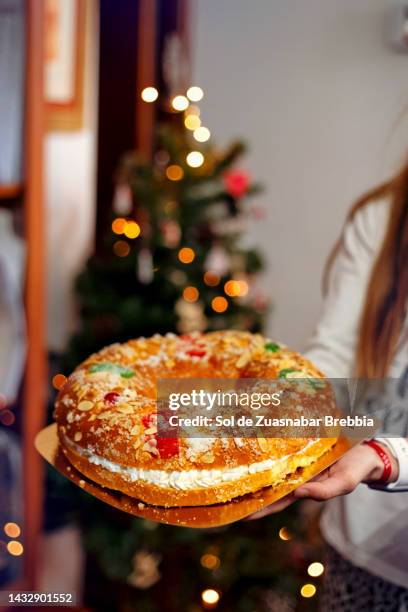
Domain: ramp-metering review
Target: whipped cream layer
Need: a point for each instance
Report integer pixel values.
(182, 480)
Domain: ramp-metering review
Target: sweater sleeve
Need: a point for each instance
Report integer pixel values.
(332, 346)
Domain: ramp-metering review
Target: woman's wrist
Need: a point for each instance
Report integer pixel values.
(385, 466)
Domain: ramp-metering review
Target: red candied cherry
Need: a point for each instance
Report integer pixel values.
(167, 447)
(196, 352)
(111, 397)
(149, 420)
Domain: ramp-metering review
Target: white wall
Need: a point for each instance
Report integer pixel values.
(70, 166)
(315, 90)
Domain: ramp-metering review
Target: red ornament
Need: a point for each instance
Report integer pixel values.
(111, 398)
(236, 183)
(167, 447)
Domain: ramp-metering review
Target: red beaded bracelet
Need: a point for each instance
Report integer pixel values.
(383, 455)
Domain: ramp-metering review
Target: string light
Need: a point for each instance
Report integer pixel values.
(210, 597)
(285, 534)
(195, 159)
(12, 530)
(194, 110)
(149, 94)
(7, 418)
(190, 294)
(186, 255)
(15, 548)
(58, 381)
(192, 122)
(121, 248)
(209, 561)
(202, 134)
(219, 304)
(119, 225)
(211, 279)
(179, 103)
(315, 569)
(236, 288)
(308, 590)
(174, 173)
(132, 229)
(195, 94)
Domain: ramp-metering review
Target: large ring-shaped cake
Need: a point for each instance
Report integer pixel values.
(107, 420)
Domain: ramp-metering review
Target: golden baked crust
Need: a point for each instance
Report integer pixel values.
(107, 424)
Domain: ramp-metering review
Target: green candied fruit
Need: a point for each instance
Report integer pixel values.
(272, 347)
(317, 384)
(112, 367)
(283, 373)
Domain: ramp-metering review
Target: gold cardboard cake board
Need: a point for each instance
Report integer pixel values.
(47, 444)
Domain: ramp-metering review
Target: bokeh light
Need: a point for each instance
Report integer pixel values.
(191, 294)
(132, 229)
(211, 278)
(308, 590)
(3, 401)
(195, 94)
(285, 534)
(236, 288)
(121, 248)
(186, 255)
(7, 418)
(15, 548)
(219, 304)
(58, 381)
(179, 103)
(202, 134)
(149, 94)
(192, 122)
(194, 110)
(174, 172)
(315, 569)
(119, 225)
(195, 159)
(209, 561)
(12, 530)
(210, 597)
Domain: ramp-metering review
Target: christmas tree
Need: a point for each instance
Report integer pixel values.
(173, 259)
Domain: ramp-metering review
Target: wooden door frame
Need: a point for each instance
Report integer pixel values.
(35, 382)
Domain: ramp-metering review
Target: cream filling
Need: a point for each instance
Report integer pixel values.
(181, 480)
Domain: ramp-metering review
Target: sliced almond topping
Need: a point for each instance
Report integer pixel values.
(85, 405)
(136, 444)
(125, 409)
(150, 449)
(263, 444)
(208, 458)
(243, 360)
(78, 436)
(151, 430)
(135, 430)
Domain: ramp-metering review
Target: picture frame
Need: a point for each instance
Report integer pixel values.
(64, 63)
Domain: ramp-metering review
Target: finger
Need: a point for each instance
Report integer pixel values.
(339, 483)
(277, 506)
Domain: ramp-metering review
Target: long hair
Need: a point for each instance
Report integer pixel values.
(384, 310)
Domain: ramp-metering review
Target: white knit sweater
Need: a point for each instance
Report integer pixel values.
(368, 527)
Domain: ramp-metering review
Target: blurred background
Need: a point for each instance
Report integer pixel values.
(172, 165)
